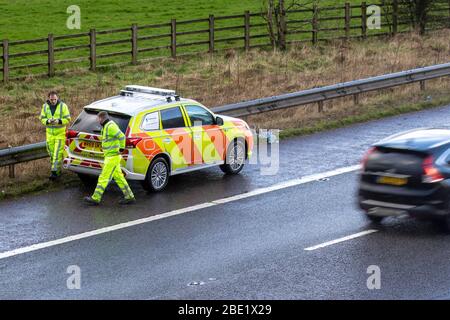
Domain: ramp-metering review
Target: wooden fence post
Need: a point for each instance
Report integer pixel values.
(173, 37)
(5, 61)
(394, 16)
(247, 31)
(93, 49)
(211, 33)
(347, 20)
(51, 56)
(364, 20)
(314, 24)
(134, 52)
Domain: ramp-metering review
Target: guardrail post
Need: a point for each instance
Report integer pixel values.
(364, 20)
(51, 56)
(173, 38)
(422, 85)
(394, 17)
(211, 33)
(5, 60)
(134, 52)
(247, 30)
(314, 24)
(93, 49)
(320, 106)
(347, 20)
(11, 171)
(356, 99)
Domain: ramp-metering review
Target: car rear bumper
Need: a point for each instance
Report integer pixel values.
(95, 168)
(388, 201)
(384, 209)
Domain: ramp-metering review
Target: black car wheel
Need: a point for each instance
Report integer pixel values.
(374, 219)
(235, 158)
(89, 181)
(444, 223)
(157, 176)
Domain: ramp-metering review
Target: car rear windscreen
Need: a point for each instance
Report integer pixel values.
(87, 122)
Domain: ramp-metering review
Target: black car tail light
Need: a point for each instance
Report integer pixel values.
(431, 173)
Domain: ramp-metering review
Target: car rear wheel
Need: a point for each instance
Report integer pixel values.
(444, 223)
(374, 219)
(235, 158)
(89, 181)
(157, 176)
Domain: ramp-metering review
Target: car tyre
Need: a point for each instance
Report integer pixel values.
(444, 224)
(374, 219)
(157, 176)
(235, 158)
(89, 181)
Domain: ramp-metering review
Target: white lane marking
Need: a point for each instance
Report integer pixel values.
(350, 237)
(79, 236)
(286, 184)
(289, 183)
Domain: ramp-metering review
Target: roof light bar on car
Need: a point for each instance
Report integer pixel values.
(150, 90)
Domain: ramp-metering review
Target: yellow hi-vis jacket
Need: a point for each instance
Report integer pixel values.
(62, 115)
(112, 139)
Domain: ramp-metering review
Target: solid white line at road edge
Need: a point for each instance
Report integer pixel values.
(286, 184)
(350, 237)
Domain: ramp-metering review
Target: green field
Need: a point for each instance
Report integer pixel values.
(35, 19)
(43, 17)
(21, 19)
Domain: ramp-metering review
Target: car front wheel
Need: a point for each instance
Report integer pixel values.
(235, 158)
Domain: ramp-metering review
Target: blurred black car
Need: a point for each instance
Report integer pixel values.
(408, 173)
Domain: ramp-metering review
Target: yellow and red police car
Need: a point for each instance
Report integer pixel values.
(165, 135)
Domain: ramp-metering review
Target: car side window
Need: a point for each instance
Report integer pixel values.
(199, 116)
(150, 121)
(172, 118)
(447, 158)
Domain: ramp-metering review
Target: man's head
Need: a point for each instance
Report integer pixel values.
(53, 97)
(102, 116)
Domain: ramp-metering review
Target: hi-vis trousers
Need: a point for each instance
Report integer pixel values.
(55, 148)
(111, 170)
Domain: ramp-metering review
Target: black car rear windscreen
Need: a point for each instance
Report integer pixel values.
(87, 122)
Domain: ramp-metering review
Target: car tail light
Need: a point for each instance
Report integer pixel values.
(132, 142)
(366, 157)
(431, 173)
(72, 134)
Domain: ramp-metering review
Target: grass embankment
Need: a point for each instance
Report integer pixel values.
(236, 76)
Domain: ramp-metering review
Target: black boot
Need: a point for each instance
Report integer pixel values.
(127, 201)
(53, 176)
(91, 202)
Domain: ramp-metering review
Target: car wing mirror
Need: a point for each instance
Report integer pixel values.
(219, 121)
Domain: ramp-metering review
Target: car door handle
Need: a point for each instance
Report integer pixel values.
(166, 140)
